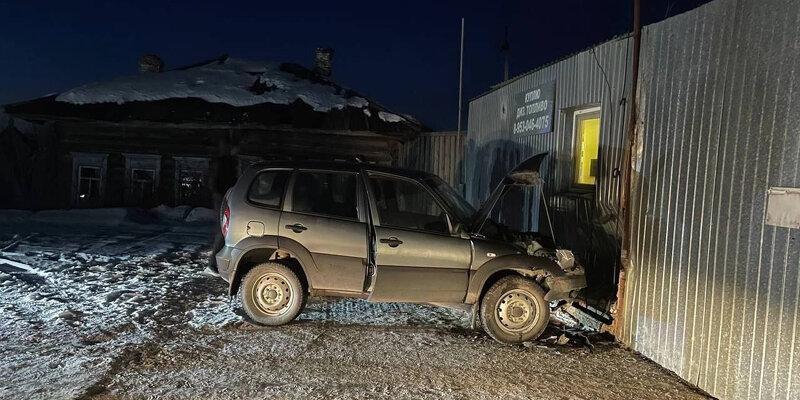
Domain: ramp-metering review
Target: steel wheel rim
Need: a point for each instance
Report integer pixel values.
(272, 294)
(516, 311)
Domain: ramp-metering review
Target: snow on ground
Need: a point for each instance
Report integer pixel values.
(125, 311)
(72, 304)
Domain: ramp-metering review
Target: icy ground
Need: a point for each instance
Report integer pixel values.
(123, 311)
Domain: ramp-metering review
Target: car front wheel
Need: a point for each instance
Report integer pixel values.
(514, 310)
(272, 294)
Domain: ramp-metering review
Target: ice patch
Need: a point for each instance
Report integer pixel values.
(25, 267)
(215, 312)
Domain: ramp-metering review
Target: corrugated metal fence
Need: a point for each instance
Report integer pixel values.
(435, 152)
(713, 292)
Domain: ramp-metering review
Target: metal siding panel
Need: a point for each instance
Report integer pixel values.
(438, 153)
(730, 131)
(713, 293)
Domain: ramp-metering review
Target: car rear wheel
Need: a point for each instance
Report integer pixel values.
(514, 310)
(272, 294)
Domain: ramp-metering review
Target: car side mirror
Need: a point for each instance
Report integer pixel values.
(459, 230)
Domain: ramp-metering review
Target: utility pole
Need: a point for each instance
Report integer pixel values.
(460, 136)
(627, 178)
(505, 49)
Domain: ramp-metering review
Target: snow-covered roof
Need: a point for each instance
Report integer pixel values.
(232, 81)
(228, 84)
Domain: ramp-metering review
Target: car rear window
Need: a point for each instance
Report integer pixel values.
(267, 188)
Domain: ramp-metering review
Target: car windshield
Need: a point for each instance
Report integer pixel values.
(463, 211)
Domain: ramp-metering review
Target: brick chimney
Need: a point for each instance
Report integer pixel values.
(323, 61)
(150, 63)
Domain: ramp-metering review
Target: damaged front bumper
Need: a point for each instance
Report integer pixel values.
(564, 287)
(567, 284)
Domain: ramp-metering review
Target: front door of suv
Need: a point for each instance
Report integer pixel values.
(322, 214)
(418, 259)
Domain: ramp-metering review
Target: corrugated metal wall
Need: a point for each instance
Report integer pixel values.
(435, 152)
(598, 76)
(594, 77)
(713, 291)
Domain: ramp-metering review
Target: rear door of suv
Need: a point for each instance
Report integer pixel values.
(323, 213)
(418, 258)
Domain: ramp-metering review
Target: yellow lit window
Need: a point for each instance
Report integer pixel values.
(587, 144)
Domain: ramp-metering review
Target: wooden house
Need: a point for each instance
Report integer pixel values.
(153, 138)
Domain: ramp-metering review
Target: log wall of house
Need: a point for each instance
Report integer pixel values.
(54, 183)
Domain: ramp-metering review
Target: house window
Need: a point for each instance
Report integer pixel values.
(586, 127)
(142, 172)
(143, 184)
(89, 180)
(191, 179)
(190, 186)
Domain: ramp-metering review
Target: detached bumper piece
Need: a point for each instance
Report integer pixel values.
(564, 287)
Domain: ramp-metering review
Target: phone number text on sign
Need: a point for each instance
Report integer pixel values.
(534, 110)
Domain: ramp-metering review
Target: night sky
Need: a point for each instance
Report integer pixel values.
(402, 54)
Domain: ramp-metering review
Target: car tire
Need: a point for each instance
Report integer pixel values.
(514, 310)
(272, 294)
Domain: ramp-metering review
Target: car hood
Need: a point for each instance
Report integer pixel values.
(525, 173)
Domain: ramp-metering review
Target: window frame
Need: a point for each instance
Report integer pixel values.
(576, 115)
(360, 201)
(376, 218)
(98, 179)
(187, 164)
(289, 180)
(154, 181)
(183, 199)
(139, 161)
(92, 160)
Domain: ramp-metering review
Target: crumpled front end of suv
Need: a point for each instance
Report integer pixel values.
(563, 276)
(567, 282)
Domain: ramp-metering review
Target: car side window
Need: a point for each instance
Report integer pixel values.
(405, 204)
(326, 193)
(267, 188)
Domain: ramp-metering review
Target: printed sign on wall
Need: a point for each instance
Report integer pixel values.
(533, 110)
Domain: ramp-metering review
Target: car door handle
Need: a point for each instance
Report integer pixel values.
(296, 228)
(392, 241)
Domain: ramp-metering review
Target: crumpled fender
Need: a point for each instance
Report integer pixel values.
(523, 264)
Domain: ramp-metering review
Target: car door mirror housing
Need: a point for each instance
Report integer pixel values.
(460, 230)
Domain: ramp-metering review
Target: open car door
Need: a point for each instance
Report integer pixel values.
(418, 258)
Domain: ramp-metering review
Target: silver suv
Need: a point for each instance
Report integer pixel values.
(299, 229)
